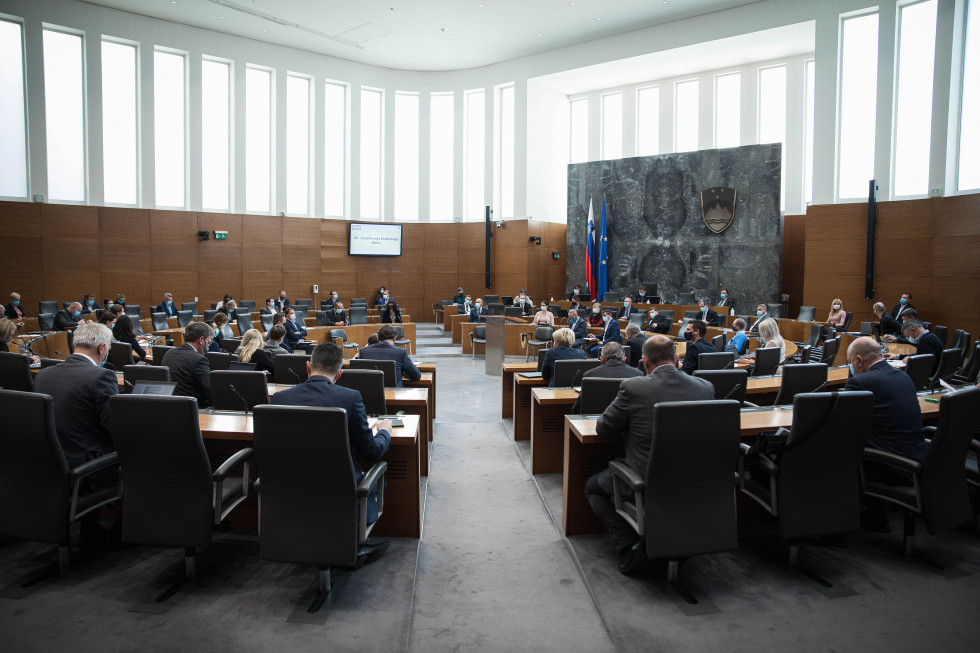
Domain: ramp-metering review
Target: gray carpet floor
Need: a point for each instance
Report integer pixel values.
(492, 572)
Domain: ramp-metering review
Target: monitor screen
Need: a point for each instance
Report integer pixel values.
(375, 239)
(163, 388)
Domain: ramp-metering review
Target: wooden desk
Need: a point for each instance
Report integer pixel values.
(50, 345)
(507, 387)
(226, 433)
(900, 348)
(548, 409)
(356, 333)
(585, 454)
(522, 404)
(177, 334)
(372, 320)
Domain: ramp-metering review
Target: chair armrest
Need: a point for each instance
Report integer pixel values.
(891, 459)
(766, 463)
(95, 465)
(929, 431)
(371, 478)
(257, 485)
(234, 461)
(749, 404)
(744, 447)
(632, 479)
(975, 445)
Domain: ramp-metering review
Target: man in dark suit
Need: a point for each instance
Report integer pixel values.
(479, 312)
(696, 346)
(896, 425)
(925, 342)
(295, 330)
(464, 307)
(635, 340)
(708, 316)
(269, 308)
(579, 327)
(726, 300)
(167, 306)
(626, 310)
(281, 301)
(610, 332)
(577, 290)
(887, 324)
(642, 296)
(68, 318)
(630, 415)
(761, 313)
(189, 366)
(658, 323)
(902, 306)
(386, 350)
(89, 304)
(323, 369)
(336, 316)
(614, 364)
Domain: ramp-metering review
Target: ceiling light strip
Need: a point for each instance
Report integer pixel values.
(286, 23)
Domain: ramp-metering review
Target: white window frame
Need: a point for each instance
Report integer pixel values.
(139, 119)
(19, 22)
(345, 155)
(310, 150)
(86, 191)
(231, 134)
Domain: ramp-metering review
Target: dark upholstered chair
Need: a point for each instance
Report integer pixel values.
(238, 390)
(491, 299)
(812, 485)
(941, 332)
(47, 307)
(401, 340)
(939, 492)
(830, 349)
(15, 372)
(230, 345)
(371, 385)
(120, 355)
(134, 373)
(919, 369)
(209, 314)
(729, 384)
(766, 361)
(716, 360)
(189, 306)
(807, 313)
(158, 352)
(970, 369)
(132, 310)
(39, 493)
(774, 310)
(266, 320)
(949, 361)
(218, 360)
(341, 335)
(387, 367)
(597, 394)
(686, 492)
(569, 373)
(358, 314)
(311, 509)
(848, 318)
(478, 336)
(358, 301)
(686, 299)
(543, 337)
(184, 318)
(290, 368)
(719, 342)
(244, 320)
(159, 321)
(45, 321)
(799, 379)
(172, 497)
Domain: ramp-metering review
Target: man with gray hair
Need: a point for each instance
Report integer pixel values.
(614, 366)
(635, 339)
(887, 324)
(925, 342)
(189, 366)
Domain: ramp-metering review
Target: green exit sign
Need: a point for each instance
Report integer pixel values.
(221, 235)
(556, 254)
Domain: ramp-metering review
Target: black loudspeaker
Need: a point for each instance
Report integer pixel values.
(869, 265)
(488, 213)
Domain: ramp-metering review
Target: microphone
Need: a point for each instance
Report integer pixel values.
(129, 385)
(293, 372)
(578, 377)
(59, 353)
(239, 395)
(734, 389)
(821, 386)
(731, 363)
(108, 366)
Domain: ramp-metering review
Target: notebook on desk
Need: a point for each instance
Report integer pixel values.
(530, 375)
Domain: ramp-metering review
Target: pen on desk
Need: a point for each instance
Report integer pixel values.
(932, 400)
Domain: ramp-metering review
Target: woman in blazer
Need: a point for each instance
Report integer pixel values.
(123, 332)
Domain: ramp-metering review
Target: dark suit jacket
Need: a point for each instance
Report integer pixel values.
(630, 413)
(319, 391)
(88, 308)
(384, 351)
(896, 424)
(10, 312)
(263, 361)
(611, 333)
(755, 325)
(929, 343)
(294, 332)
(711, 318)
(169, 309)
(624, 314)
(694, 350)
(897, 310)
(641, 300)
(559, 353)
(729, 304)
(63, 319)
(658, 324)
(636, 349)
(81, 392)
(390, 313)
(332, 317)
(280, 304)
(479, 315)
(580, 328)
(192, 373)
(612, 370)
(889, 325)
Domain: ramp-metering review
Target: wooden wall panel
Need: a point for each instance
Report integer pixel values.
(794, 254)
(219, 261)
(70, 251)
(300, 256)
(835, 253)
(20, 267)
(261, 257)
(404, 280)
(173, 255)
(336, 272)
(125, 249)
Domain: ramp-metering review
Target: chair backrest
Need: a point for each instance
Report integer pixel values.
(250, 388)
(159, 351)
(371, 385)
(919, 369)
(506, 300)
(165, 470)
(305, 453)
(686, 299)
(15, 372)
(189, 306)
(120, 354)
(638, 317)
(34, 487)
(497, 309)
(830, 349)
(132, 310)
(816, 331)
(964, 343)
(970, 373)
(399, 332)
(338, 333)
(308, 303)
(807, 313)
(45, 321)
(729, 384)
(358, 301)
(774, 309)
(218, 360)
(651, 287)
(611, 296)
(480, 332)
(491, 299)
(244, 322)
(134, 373)
(358, 315)
(569, 372)
(230, 345)
(247, 305)
(719, 342)
(692, 315)
(941, 332)
(716, 360)
(766, 361)
(301, 312)
(290, 368)
(47, 307)
(800, 379)
(541, 354)
(238, 366)
(387, 367)
(683, 326)
(159, 321)
(321, 319)
(949, 361)
(690, 497)
(184, 318)
(557, 310)
(511, 311)
(209, 315)
(49, 362)
(543, 333)
(945, 501)
(597, 394)
(866, 328)
(819, 477)
(266, 320)
(669, 314)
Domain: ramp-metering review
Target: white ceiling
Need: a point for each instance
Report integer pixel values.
(423, 34)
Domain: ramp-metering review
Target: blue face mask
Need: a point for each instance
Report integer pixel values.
(704, 309)
(722, 295)
(169, 303)
(903, 301)
(17, 303)
(626, 304)
(758, 313)
(912, 341)
(851, 367)
(76, 313)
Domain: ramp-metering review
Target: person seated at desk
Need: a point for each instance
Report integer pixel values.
(524, 302)
(121, 299)
(738, 338)
(579, 328)
(116, 309)
(224, 300)
(576, 303)
(924, 340)
(108, 318)
(610, 333)
(7, 330)
(896, 425)
(657, 323)
(464, 307)
(708, 316)
(228, 308)
(762, 314)
(635, 339)
(189, 367)
(903, 305)
(575, 292)
(387, 350)
(459, 297)
(390, 311)
(167, 306)
(381, 298)
(837, 315)
(626, 310)
(13, 311)
(68, 318)
(614, 365)
(269, 308)
(252, 350)
(320, 389)
(910, 314)
(595, 318)
(630, 416)
(296, 330)
(81, 389)
(123, 332)
(88, 303)
(274, 346)
(335, 316)
(217, 324)
(726, 301)
(544, 317)
(281, 301)
(641, 296)
(279, 319)
(696, 345)
(331, 300)
(769, 334)
(564, 339)
(887, 324)
(479, 312)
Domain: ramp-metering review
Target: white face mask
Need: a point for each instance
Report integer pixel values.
(836, 307)
(479, 305)
(334, 295)
(544, 307)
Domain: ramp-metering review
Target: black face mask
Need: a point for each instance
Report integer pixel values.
(688, 335)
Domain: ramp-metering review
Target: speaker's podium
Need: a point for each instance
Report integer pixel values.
(496, 341)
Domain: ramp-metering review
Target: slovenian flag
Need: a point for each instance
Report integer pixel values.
(590, 280)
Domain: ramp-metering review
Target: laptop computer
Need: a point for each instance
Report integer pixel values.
(160, 388)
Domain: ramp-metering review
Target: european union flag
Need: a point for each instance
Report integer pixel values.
(602, 283)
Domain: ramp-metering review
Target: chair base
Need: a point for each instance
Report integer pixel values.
(322, 589)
